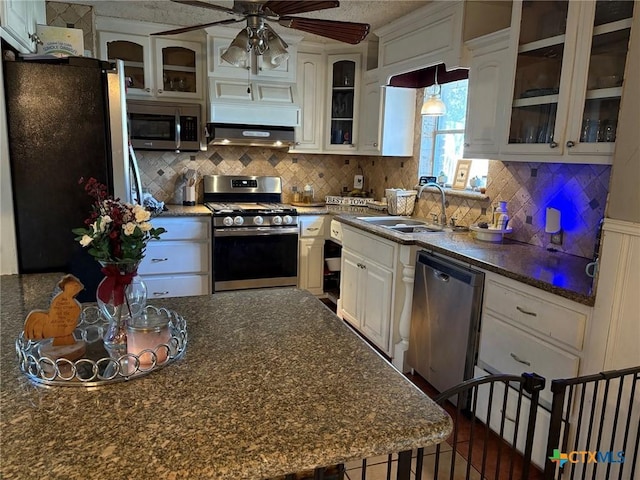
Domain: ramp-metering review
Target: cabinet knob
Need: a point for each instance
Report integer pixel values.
(160, 90)
(467, 144)
(571, 144)
(35, 38)
(147, 89)
(375, 144)
(553, 144)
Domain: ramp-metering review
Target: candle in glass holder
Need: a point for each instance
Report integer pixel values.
(148, 333)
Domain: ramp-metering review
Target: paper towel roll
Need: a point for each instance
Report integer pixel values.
(552, 221)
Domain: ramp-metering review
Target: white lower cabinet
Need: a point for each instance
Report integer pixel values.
(179, 264)
(367, 285)
(525, 329)
(311, 253)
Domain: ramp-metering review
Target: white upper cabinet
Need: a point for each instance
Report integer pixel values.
(387, 119)
(311, 93)
(487, 80)
(155, 67)
(343, 100)
(18, 23)
(567, 80)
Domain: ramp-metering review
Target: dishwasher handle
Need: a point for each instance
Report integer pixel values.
(452, 270)
(441, 275)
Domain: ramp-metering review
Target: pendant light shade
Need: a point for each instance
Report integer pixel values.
(433, 105)
(276, 53)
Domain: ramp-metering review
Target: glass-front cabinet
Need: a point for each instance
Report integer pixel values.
(570, 59)
(344, 87)
(135, 51)
(156, 67)
(177, 68)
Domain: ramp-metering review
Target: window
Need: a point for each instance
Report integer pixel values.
(442, 139)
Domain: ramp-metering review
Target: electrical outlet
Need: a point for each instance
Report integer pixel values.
(556, 238)
(358, 182)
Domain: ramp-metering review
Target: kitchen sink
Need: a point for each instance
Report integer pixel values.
(402, 224)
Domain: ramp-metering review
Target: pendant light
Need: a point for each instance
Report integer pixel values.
(433, 105)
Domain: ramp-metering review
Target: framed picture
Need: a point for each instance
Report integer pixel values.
(462, 175)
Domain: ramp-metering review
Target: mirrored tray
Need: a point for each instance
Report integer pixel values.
(97, 366)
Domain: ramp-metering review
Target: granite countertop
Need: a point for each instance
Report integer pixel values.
(555, 272)
(186, 211)
(272, 382)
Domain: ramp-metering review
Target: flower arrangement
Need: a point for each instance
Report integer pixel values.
(115, 231)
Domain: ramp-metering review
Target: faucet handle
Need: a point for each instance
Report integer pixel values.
(453, 221)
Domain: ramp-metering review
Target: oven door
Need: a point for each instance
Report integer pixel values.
(255, 257)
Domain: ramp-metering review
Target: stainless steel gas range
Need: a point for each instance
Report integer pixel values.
(255, 236)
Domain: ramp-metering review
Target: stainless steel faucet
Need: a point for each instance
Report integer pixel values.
(443, 216)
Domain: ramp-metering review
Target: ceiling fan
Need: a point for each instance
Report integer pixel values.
(258, 37)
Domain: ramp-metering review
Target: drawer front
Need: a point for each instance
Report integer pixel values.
(507, 349)
(180, 228)
(370, 247)
(176, 286)
(543, 418)
(175, 257)
(311, 225)
(547, 318)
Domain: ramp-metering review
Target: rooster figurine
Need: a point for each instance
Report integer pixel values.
(61, 319)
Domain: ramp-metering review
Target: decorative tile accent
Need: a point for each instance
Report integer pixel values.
(246, 160)
(160, 172)
(274, 160)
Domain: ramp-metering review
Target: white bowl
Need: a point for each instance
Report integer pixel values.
(333, 264)
(489, 234)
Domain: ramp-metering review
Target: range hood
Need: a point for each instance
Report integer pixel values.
(250, 135)
(261, 103)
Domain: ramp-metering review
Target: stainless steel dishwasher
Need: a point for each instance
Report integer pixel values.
(445, 319)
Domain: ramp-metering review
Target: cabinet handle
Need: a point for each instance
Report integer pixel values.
(526, 312)
(156, 260)
(553, 144)
(507, 417)
(467, 144)
(519, 360)
(360, 265)
(571, 144)
(35, 38)
(161, 293)
(312, 229)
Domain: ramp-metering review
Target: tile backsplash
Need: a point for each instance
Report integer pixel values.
(578, 191)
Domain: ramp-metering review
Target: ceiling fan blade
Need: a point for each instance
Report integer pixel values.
(197, 27)
(283, 7)
(347, 32)
(210, 6)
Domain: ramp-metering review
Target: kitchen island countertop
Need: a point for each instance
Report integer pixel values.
(272, 382)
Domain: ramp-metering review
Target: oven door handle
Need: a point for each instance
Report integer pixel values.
(178, 128)
(253, 232)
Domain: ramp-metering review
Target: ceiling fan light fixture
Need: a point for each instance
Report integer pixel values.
(276, 53)
(238, 51)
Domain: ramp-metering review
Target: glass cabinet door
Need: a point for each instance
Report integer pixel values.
(133, 55)
(607, 58)
(538, 72)
(342, 102)
(178, 69)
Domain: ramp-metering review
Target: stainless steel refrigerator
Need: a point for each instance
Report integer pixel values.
(66, 120)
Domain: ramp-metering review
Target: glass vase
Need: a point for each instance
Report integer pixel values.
(121, 297)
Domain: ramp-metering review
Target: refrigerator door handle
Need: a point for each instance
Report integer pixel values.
(177, 130)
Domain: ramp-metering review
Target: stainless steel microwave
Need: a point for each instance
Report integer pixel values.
(164, 126)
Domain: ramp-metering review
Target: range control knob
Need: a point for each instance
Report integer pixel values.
(258, 220)
(238, 220)
(227, 221)
(288, 220)
(277, 220)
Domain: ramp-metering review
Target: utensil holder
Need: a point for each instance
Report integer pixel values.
(189, 195)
